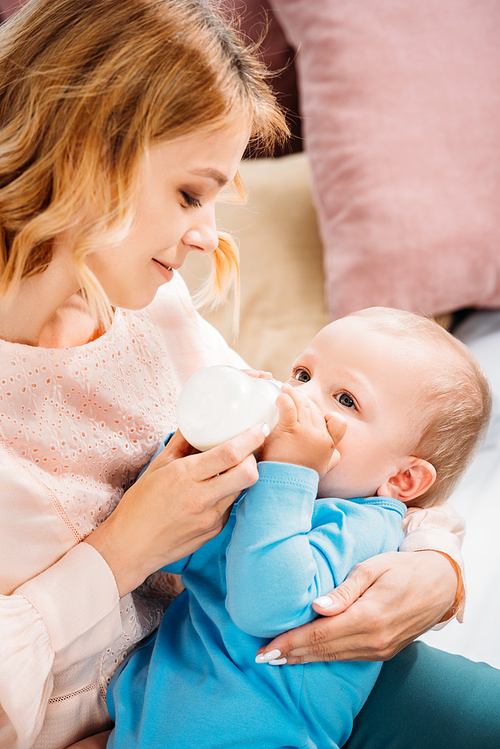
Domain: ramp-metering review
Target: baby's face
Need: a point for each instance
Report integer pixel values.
(374, 381)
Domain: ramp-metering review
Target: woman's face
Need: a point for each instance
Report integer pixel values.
(178, 186)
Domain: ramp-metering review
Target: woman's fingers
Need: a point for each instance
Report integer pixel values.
(258, 373)
(201, 467)
(222, 458)
(340, 599)
(326, 638)
(356, 635)
(177, 447)
(364, 632)
(212, 462)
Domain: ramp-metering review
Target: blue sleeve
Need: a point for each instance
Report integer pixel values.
(272, 571)
(287, 548)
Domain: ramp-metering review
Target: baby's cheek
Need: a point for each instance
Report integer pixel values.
(329, 484)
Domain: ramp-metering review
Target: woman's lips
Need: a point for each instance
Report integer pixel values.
(166, 270)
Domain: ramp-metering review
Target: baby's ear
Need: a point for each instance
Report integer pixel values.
(410, 482)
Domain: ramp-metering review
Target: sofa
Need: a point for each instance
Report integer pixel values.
(388, 195)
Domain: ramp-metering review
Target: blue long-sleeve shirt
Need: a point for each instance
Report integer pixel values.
(196, 684)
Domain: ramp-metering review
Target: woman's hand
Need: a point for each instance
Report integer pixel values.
(383, 605)
(180, 502)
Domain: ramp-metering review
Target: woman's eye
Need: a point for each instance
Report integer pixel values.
(189, 200)
(345, 400)
(301, 375)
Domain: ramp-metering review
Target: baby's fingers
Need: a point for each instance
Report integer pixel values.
(307, 411)
(336, 425)
(287, 410)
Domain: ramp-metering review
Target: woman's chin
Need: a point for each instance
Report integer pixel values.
(136, 301)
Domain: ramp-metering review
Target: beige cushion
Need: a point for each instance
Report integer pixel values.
(282, 287)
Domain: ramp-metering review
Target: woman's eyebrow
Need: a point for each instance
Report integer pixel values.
(214, 174)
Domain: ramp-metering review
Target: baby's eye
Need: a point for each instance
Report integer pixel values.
(345, 400)
(301, 375)
(189, 200)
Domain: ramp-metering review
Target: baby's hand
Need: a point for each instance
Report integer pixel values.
(304, 435)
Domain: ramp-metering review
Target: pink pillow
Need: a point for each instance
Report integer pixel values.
(401, 108)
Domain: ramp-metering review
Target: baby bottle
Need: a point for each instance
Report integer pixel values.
(218, 403)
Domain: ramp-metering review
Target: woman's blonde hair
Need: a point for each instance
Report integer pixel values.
(454, 403)
(85, 87)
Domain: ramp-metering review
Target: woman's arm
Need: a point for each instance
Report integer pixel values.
(72, 607)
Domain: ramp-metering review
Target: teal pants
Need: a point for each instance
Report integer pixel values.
(428, 699)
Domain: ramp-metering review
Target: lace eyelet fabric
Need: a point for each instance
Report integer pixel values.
(81, 423)
(84, 421)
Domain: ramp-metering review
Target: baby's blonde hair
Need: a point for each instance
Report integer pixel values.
(454, 403)
(85, 88)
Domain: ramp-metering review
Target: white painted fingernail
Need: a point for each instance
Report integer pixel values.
(266, 657)
(266, 429)
(278, 662)
(324, 601)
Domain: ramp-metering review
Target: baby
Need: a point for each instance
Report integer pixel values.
(415, 405)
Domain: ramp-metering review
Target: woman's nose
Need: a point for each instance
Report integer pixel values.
(203, 234)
